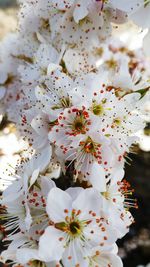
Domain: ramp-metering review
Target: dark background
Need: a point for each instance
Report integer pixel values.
(134, 248)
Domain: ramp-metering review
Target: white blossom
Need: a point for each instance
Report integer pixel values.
(76, 95)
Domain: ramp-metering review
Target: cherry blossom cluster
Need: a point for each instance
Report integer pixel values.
(75, 93)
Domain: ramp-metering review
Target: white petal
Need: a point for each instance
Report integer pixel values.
(74, 192)
(46, 54)
(107, 259)
(12, 192)
(28, 218)
(97, 177)
(75, 250)
(50, 246)
(34, 177)
(146, 44)
(46, 185)
(2, 92)
(127, 5)
(36, 124)
(3, 76)
(62, 5)
(24, 255)
(117, 175)
(55, 173)
(8, 255)
(17, 241)
(81, 10)
(52, 67)
(142, 17)
(39, 161)
(115, 260)
(89, 199)
(57, 202)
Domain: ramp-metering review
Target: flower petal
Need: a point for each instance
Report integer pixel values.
(97, 177)
(57, 202)
(88, 200)
(74, 191)
(74, 255)
(51, 244)
(24, 255)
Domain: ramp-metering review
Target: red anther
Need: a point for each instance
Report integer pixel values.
(35, 194)
(75, 110)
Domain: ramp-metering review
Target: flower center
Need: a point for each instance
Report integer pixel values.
(80, 122)
(123, 195)
(64, 103)
(106, 194)
(71, 227)
(75, 228)
(45, 24)
(93, 148)
(37, 263)
(90, 146)
(111, 64)
(97, 109)
(99, 51)
(116, 123)
(127, 192)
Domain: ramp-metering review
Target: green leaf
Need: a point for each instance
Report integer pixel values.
(142, 91)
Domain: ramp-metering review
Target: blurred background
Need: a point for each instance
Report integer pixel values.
(7, 16)
(134, 248)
